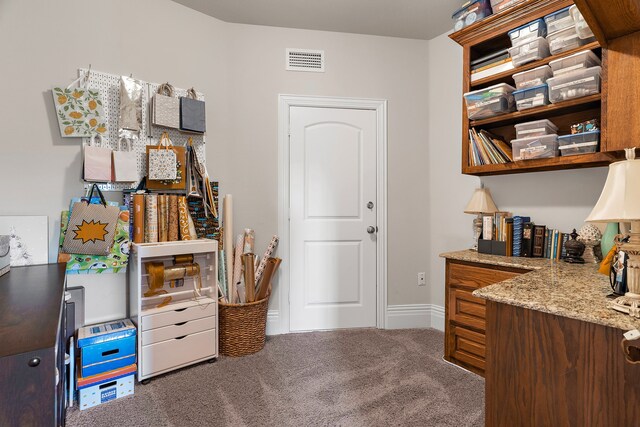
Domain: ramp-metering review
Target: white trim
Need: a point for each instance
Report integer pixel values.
(409, 316)
(285, 102)
(273, 322)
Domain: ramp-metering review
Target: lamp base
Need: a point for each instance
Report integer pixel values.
(630, 302)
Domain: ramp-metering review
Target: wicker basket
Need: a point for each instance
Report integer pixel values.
(242, 327)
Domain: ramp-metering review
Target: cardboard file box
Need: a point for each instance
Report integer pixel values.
(106, 347)
(106, 391)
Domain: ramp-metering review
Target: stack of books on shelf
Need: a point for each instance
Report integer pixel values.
(518, 236)
(492, 64)
(487, 149)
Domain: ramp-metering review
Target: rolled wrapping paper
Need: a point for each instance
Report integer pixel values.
(249, 277)
(138, 218)
(151, 218)
(264, 288)
(192, 228)
(183, 218)
(237, 263)
(249, 240)
(163, 221)
(227, 212)
(242, 298)
(222, 275)
(270, 249)
(173, 218)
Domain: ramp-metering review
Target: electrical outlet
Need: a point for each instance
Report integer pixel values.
(422, 279)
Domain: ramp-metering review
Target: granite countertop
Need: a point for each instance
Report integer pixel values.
(555, 287)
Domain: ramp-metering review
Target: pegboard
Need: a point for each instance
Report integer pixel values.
(109, 87)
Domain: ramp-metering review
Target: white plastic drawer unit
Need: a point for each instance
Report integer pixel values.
(177, 330)
(180, 315)
(176, 352)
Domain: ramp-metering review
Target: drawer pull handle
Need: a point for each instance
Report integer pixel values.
(181, 323)
(181, 309)
(34, 362)
(110, 352)
(109, 384)
(179, 338)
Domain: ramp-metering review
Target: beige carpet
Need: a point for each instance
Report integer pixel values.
(364, 377)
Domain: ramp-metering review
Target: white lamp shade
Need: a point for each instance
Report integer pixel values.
(481, 202)
(620, 198)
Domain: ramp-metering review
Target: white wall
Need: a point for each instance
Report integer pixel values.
(561, 199)
(43, 43)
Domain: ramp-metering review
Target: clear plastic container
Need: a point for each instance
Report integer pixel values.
(499, 5)
(559, 20)
(531, 97)
(532, 78)
(471, 13)
(577, 61)
(538, 147)
(529, 52)
(574, 85)
(528, 33)
(582, 28)
(490, 101)
(537, 128)
(580, 143)
(564, 40)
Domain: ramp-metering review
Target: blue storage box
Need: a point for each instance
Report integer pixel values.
(528, 33)
(531, 97)
(106, 391)
(579, 143)
(559, 20)
(106, 347)
(471, 13)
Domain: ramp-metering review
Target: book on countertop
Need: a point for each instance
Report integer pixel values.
(518, 222)
(547, 243)
(487, 227)
(538, 240)
(565, 239)
(509, 236)
(527, 239)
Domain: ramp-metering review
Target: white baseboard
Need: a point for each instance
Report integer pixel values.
(408, 316)
(273, 322)
(404, 316)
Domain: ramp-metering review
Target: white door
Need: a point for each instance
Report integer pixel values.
(333, 203)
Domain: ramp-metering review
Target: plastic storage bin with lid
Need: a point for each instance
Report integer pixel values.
(532, 78)
(471, 13)
(537, 147)
(579, 143)
(529, 52)
(582, 28)
(577, 61)
(559, 20)
(531, 97)
(490, 101)
(564, 40)
(498, 6)
(536, 128)
(528, 32)
(574, 85)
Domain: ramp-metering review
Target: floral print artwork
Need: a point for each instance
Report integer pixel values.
(79, 112)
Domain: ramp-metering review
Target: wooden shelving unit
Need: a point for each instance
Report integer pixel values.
(490, 35)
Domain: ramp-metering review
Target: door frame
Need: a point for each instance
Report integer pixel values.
(285, 102)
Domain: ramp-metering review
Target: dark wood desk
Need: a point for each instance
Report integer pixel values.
(32, 346)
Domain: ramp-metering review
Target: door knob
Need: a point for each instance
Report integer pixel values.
(371, 229)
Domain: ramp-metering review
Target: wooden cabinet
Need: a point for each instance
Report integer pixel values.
(465, 322)
(490, 35)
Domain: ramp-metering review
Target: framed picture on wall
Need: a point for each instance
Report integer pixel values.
(29, 238)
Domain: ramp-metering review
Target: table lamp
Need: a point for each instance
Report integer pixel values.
(480, 203)
(620, 202)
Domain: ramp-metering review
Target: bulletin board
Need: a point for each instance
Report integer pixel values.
(109, 87)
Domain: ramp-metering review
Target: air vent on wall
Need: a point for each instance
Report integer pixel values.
(305, 60)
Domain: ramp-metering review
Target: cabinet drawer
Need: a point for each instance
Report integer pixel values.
(466, 309)
(179, 330)
(468, 347)
(175, 352)
(180, 315)
(474, 277)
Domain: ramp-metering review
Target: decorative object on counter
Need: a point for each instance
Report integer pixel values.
(590, 235)
(618, 273)
(97, 161)
(5, 254)
(92, 227)
(480, 203)
(620, 201)
(125, 162)
(165, 107)
(575, 249)
(192, 113)
(608, 237)
(130, 117)
(79, 109)
(28, 238)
